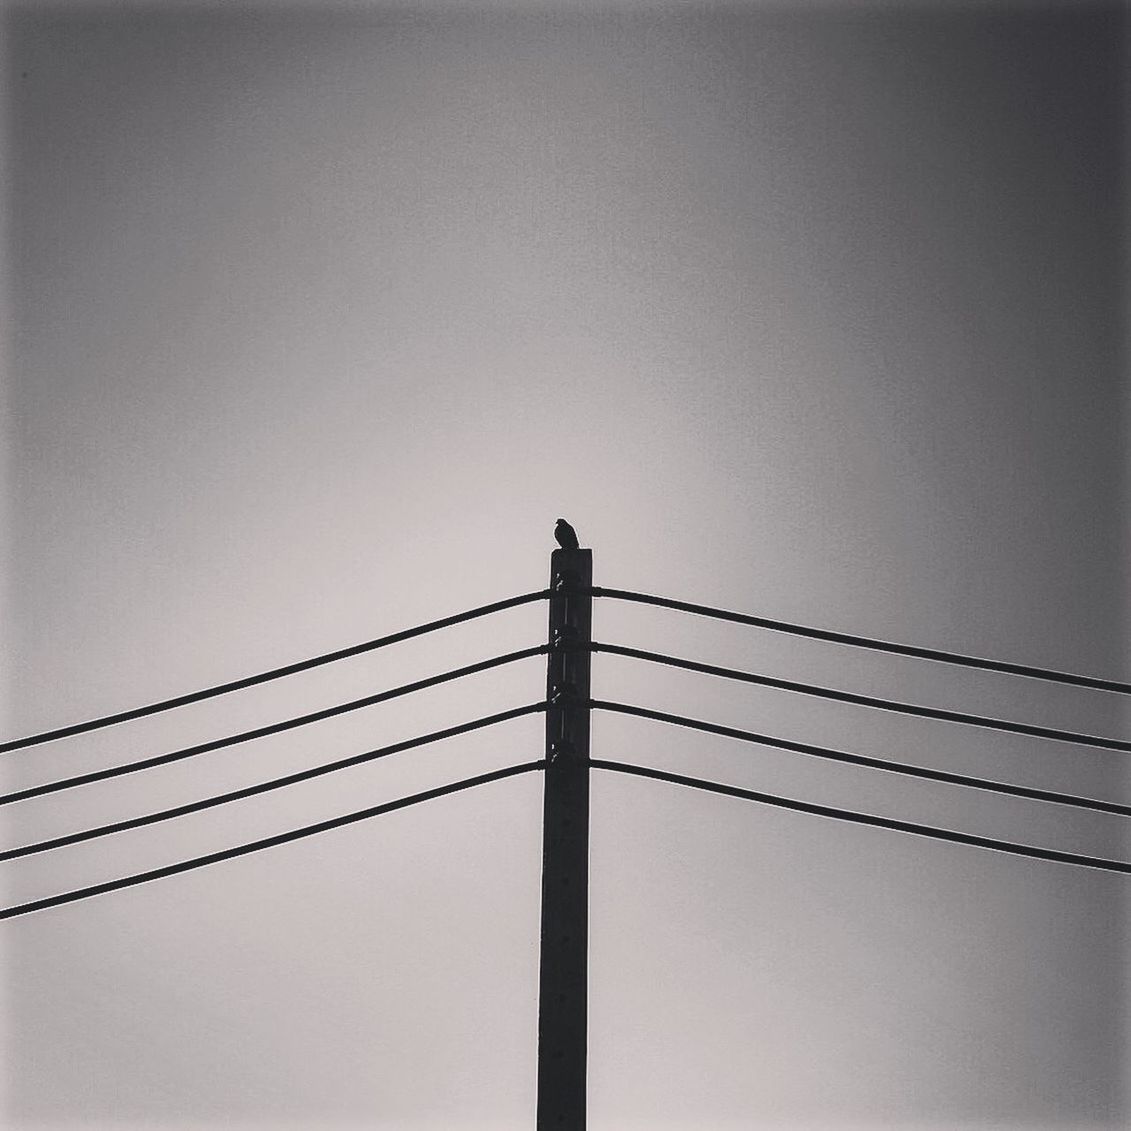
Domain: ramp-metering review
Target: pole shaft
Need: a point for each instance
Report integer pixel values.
(563, 978)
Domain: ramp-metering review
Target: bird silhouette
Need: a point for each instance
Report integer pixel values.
(566, 535)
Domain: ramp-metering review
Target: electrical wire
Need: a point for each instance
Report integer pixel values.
(267, 842)
(274, 673)
(864, 818)
(865, 760)
(267, 786)
(868, 642)
(264, 731)
(1029, 729)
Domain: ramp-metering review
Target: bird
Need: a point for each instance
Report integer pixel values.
(566, 535)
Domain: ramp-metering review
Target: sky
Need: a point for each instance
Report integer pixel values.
(317, 317)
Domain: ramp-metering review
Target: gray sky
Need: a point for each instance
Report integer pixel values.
(317, 319)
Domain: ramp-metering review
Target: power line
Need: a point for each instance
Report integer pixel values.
(867, 642)
(865, 819)
(864, 760)
(869, 700)
(267, 842)
(264, 731)
(274, 673)
(267, 786)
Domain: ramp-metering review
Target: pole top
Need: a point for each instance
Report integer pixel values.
(571, 569)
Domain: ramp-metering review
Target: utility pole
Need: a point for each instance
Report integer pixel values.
(563, 979)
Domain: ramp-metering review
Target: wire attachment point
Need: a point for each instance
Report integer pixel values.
(566, 580)
(563, 693)
(563, 637)
(559, 749)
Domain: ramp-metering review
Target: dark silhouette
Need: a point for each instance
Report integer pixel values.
(566, 535)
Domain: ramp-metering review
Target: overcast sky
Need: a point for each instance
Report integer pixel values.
(318, 318)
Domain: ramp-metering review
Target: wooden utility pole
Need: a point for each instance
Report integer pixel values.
(563, 981)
